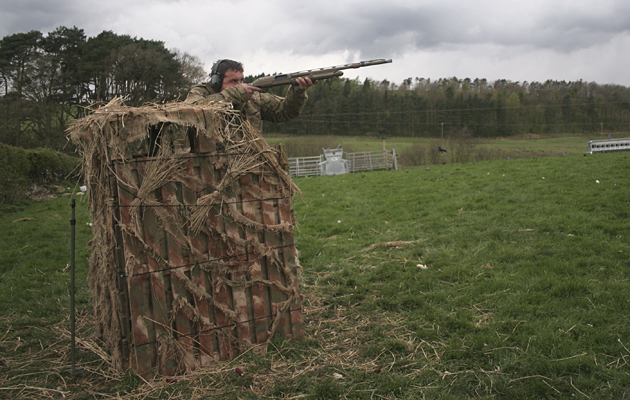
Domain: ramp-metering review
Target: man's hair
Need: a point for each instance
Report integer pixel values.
(228, 65)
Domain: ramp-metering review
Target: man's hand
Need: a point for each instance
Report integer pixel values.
(250, 89)
(305, 83)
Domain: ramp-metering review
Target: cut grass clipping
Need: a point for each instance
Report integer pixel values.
(499, 279)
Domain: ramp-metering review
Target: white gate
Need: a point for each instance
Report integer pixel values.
(361, 161)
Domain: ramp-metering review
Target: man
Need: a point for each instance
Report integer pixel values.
(226, 84)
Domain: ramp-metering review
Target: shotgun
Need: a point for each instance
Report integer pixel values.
(314, 74)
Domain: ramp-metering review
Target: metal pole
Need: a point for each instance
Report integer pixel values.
(394, 160)
(73, 223)
(384, 154)
(442, 129)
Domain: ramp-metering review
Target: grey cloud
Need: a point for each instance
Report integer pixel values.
(392, 29)
(458, 36)
(370, 30)
(41, 15)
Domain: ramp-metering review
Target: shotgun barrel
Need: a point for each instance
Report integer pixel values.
(314, 74)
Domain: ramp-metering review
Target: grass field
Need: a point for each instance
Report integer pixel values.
(515, 147)
(498, 279)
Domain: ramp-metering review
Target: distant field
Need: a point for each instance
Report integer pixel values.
(515, 147)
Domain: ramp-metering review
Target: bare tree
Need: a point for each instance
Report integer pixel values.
(191, 70)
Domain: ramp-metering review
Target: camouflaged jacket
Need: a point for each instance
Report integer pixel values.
(261, 107)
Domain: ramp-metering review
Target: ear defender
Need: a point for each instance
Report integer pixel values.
(216, 80)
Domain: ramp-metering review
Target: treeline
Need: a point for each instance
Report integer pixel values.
(421, 107)
(46, 81)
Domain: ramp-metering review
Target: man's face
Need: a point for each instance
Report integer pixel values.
(232, 78)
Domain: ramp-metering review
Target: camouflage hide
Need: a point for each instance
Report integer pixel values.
(193, 258)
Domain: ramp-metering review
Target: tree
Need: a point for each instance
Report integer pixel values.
(65, 46)
(137, 69)
(17, 54)
(97, 65)
(191, 71)
(54, 90)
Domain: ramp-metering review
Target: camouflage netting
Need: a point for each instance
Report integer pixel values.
(193, 257)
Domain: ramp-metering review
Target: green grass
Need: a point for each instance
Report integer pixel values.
(497, 279)
(525, 293)
(542, 146)
(351, 143)
(35, 261)
(35, 292)
(515, 147)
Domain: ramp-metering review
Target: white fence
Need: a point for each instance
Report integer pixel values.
(305, 166)
(602, 146)
(362, 161)
(371, 160)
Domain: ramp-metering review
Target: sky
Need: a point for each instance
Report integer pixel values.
(532, 40)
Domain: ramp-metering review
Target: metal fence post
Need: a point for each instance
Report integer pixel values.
(73, 223)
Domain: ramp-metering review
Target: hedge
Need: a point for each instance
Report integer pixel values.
(20, 168)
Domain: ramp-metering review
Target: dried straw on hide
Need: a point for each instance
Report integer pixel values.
(193, 256)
